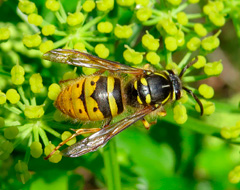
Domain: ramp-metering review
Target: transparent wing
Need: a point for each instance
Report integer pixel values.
(76, 58)
(100, 138)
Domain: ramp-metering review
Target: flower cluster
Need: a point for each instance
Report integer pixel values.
(93, 28)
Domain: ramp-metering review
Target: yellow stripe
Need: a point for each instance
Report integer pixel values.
(162, 74)
(166, 99)
(139, 100)
(91, 104)
(112, 102)
(148, 99)
(144, 81)
(135, 85)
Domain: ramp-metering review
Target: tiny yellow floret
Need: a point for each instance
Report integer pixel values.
(102, 51)
(31, 41)
(56, 157)
(35, 19)
(201, 62)
(4, 33)
(180, 114)
(53, 91)
(74, 19)
(13, 96)
(206, 91)
(46, 46)
(213, 68)
(209, 107)
(234, 175)
(124, 31)
(36, 149)
(153, 58)
(34, 112)
(35, 82)
(52, 5)
(3, 97)
(48, 30)
(27, 7)
(67, 134)
(88, 5)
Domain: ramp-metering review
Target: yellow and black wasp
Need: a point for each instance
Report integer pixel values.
(97, 97)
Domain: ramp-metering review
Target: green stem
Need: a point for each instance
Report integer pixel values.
(60, 33)
(91, 23)
(152, 21)
(112, 174)
(12, 109)
(99, 39)
(194, 16)
(11, 123)
(25, 19)
(46, 103)
(157, 12)
(59, 17)
(193, 124)
(185, 59)
(180, 8)
(78, 7)
(61, 42)
(24, 135)
(35, 133)
(195, 78)
(88, 46)
(62, 12)
(27, 154)
(4, 73)
(33, 101)
(168, 57)
(51, 131)
(21, 105)
(43, 136)
(22, 94)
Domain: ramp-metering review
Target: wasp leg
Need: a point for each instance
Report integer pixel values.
(77, 132)
(146, 66)
(146, 124)
(108, 121)
(162, 112)
(99, 72)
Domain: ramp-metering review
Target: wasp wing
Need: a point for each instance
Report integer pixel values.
(100, 138)
(76, 58)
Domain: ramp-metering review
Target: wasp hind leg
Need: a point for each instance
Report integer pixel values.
(146, 124)
(77, 132)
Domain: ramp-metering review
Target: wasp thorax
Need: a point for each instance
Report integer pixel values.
(155, 88)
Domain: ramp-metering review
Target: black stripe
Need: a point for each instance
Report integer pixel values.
(118, 95)
(100, 95)
(82, 97)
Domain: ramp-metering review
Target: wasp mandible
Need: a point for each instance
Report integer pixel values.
(97, 97)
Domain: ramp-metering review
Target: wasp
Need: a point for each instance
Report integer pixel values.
(98, 97)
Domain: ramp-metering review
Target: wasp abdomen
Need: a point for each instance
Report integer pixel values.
(91, 98)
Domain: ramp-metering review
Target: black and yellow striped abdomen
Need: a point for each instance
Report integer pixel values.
(91, 98)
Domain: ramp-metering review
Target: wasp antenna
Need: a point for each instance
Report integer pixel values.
(187, 66)
(195, 97)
